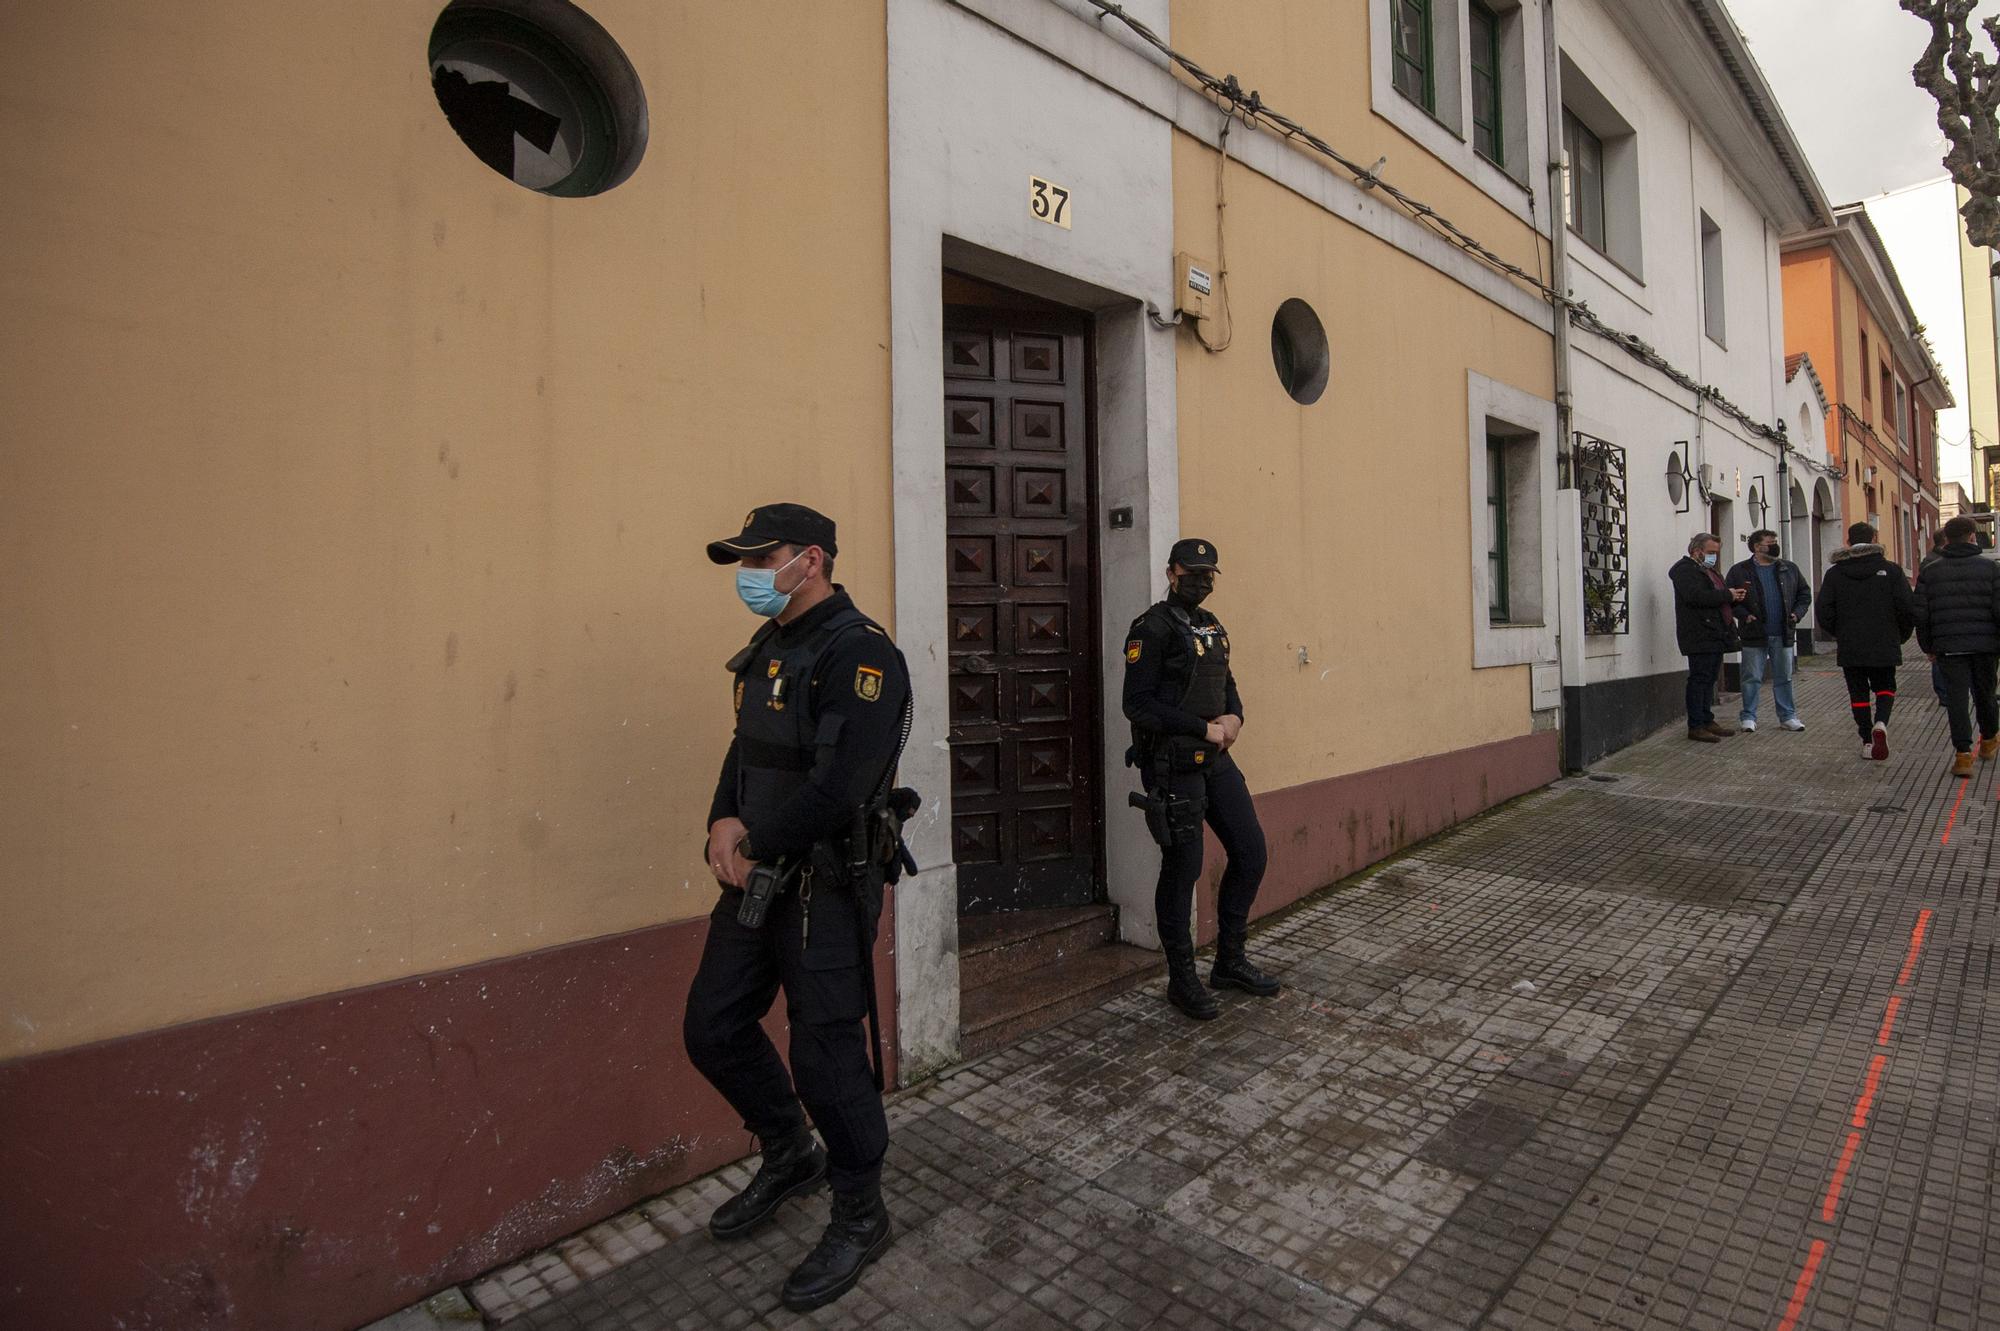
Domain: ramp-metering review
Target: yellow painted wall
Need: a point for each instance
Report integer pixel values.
(1309, 59)
(1982, 329)
(1344, 526)
(356, 621)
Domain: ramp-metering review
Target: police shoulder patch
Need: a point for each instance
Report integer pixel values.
(867, 683)
(1133, 648)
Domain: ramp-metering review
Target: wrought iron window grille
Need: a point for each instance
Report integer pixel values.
(1597, 471)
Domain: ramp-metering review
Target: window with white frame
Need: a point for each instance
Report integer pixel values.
(1902, 412)
(1513, 524)
(1510, 446)
(1601, 187)
(1711, 282)
(1453, 75)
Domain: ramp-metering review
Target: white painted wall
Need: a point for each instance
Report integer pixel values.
(1681, 175)
(1920, 229)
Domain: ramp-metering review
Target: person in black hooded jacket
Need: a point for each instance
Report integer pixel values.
(1865, 605)
(1958, 625)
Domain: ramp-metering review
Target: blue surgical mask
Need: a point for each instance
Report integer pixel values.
(759, 588)
(1706, 559)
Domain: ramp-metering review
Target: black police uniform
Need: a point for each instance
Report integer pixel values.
(1177, 680)
(820, 719)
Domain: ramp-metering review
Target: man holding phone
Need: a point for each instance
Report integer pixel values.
(1705, 628)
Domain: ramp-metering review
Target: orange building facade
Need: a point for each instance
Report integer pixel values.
(1846, 308)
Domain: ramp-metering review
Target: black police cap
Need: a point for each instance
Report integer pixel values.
(1193, 553)
(771, 526)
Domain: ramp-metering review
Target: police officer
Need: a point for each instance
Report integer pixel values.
(820, 695)
(1181, 699)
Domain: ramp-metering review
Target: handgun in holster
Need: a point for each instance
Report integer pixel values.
(1173, 820)
(767, 882)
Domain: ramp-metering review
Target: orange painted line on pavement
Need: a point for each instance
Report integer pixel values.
(1916, 945)
(1946, 838)
(1889, 1019)
(1867, 1100)
(1803, 1286)
(1832, 1202)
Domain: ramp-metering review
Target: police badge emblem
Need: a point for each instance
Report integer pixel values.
(867, 683)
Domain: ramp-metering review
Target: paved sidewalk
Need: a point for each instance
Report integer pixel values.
(1703, 1046)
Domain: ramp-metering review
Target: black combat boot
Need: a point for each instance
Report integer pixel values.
(1185, 991)
(793, 1166)
(857, 1234)
(1232, 970)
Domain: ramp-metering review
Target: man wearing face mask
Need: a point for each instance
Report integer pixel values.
(1775, 597)
(821, 697)
(1705, 627)
(1181, 699)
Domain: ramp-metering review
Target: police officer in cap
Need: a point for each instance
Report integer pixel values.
(1181, 699)
(821, 697)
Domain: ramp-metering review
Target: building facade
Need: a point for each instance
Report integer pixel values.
(1846, 308)
(1683, 179)
(363, 698)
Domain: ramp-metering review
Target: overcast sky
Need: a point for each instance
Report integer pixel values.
(1841, 69)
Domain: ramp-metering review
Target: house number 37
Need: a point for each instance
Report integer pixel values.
(1048, 202)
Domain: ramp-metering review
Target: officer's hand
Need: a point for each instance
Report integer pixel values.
(1232, 726)
(1215, 733)
(723, 861)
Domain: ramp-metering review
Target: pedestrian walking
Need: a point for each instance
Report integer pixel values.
(1705, 628)
(1958, 626)
(1865, 606)
(1936, 553)
(799, 839)
(1776, 596)
(1180, 696)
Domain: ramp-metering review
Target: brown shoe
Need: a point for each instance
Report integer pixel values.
(1702, 735)
(1961, 764)
(1988, 748)
(1718, 731)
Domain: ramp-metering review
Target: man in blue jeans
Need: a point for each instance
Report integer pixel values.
(1775, 597)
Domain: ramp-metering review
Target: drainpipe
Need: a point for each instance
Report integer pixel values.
(1568, 542)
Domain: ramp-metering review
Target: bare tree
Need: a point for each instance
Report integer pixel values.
(1967, 87)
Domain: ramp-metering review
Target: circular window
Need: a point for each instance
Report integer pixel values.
(1298, 349)
(540, 93)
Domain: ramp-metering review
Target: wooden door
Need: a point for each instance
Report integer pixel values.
(1022, 616)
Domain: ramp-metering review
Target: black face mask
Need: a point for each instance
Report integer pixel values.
(1771, 551)
(1191, 589)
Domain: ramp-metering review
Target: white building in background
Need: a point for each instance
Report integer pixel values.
(1683, 177)
(1921, 229)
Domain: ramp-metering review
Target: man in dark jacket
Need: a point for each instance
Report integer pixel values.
(1865, 605)
(1958, 625)
(1705, 626)
(1923, 567)
(1775, 596)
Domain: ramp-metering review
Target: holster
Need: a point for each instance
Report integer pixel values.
(876, 857)
(1173, 819)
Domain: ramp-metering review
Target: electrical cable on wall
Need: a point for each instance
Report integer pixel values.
(1228, 91)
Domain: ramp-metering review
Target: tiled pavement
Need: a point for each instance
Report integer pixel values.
(1592, 1060)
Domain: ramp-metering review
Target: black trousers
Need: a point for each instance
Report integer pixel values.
(1968, 690)
(1234, 817)
(1871, 691)
(1704, 668)
(826, 999)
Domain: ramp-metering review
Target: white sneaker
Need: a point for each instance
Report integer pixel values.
(1794, 724)
(1868, 749)
(1749, 723)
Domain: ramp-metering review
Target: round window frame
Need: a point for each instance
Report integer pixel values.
(1299, 335)
(592, 66)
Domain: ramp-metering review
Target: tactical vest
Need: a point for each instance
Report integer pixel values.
(1198, 663)
(777, 739)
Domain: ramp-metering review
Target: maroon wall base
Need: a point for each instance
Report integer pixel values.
(321, 1163)
(1321, 832)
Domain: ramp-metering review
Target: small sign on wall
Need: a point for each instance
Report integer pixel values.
(1049, 202)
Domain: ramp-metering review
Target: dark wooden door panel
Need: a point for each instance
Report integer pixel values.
(1024, 723)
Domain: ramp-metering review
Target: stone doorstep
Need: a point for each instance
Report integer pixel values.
(1010, 1009)
(993, 947)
